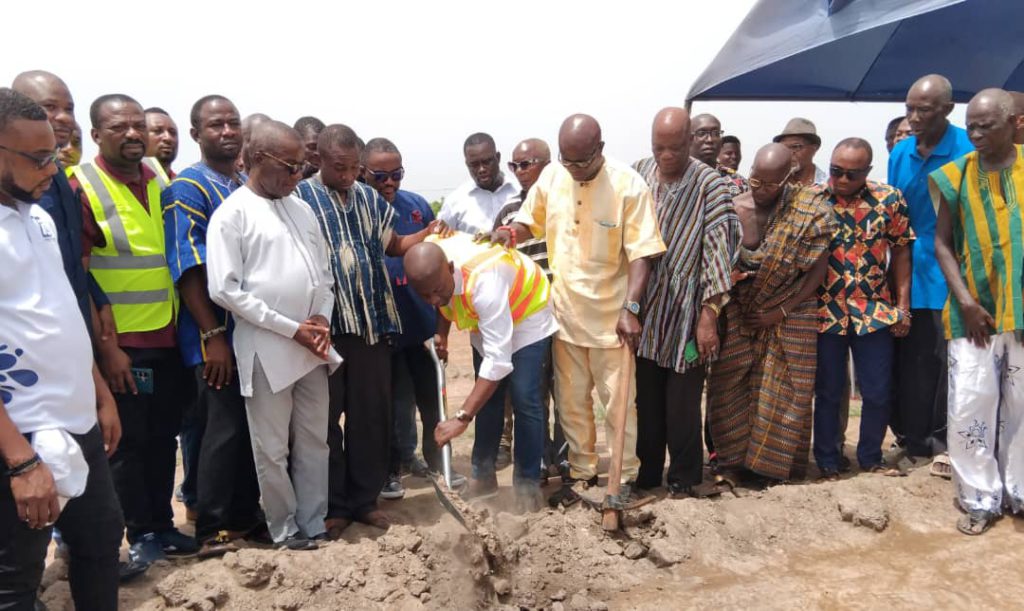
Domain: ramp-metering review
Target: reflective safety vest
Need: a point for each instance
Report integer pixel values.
(528, 295)
(132, 267)
(161, 175)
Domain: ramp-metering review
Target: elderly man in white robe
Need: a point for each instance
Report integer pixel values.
(268, 266)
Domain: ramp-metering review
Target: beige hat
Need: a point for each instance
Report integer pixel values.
(798, 126)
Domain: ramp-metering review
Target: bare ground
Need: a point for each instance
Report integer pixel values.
(866, 541)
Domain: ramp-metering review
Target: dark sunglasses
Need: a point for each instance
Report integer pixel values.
(837, 172)
(519, 166)
(293, 168)
(581, 164)
(382, 175)
(40, 162)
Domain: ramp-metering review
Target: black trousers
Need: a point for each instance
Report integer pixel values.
(419, 365)
(228, 494)
(143, 466)
(668, 414)
(91, 526)
(921, 386)
(360, 455)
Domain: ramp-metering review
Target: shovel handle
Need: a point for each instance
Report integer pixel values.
(442, 408)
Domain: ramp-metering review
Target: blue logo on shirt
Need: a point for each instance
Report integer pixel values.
(9, 376)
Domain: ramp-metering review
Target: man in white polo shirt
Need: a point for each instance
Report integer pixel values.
(475, 204)
(47, 388)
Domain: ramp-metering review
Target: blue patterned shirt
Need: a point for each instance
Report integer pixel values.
(187, 204)
(356, 231)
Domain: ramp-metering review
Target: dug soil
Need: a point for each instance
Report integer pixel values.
(866, 541)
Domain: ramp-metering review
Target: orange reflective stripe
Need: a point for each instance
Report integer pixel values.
(519, 311)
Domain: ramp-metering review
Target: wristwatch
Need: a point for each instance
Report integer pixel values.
(632, 307)
(463, 417)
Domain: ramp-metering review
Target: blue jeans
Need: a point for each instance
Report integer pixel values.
(524, 384)
(872, 362)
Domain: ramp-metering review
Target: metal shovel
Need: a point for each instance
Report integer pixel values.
(446, 451)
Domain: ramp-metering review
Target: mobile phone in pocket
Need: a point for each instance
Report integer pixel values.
(143, 380)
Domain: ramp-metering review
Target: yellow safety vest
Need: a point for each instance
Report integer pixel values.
(528, 295)
(132, 267)
(161, 175)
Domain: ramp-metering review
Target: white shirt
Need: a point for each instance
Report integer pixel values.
(267, 264)
(472, 209)
(496, 338)
(45, 352)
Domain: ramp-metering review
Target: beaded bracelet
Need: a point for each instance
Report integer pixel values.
(24, 467)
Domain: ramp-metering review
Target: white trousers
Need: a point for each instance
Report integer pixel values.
(986, 422)
(290, 427)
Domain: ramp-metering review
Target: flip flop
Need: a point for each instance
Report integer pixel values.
(941, 466)
(975, 522)
(706, 490)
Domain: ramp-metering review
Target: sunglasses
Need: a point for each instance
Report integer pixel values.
(837, 172)
(293, 168)
(40, 162)
(382, 175)
(579, 164)
(520, 166)
(760, 184)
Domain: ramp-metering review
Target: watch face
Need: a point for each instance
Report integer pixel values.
(633, 307)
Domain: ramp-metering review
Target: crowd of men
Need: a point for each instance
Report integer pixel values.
(274, 307)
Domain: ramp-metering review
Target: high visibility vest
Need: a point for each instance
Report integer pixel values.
(132, 267)
(161, 175)
(528, 295)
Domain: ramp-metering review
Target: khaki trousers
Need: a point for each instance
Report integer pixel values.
(578, 371)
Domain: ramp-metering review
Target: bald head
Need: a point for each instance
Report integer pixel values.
(50, 92)
(670, 142)
(533, 148)
(274, 137)
(995, 101)
(772, 167)
(423, 262)
(579, 132)
(992, 126)
(580, 145)
(773, 158)
(36, 82)
(672, 121)
(429, 273)
(935, 87)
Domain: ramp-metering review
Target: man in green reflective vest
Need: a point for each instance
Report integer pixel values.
(124, 244)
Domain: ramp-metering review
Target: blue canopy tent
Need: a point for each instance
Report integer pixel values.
(867, 50)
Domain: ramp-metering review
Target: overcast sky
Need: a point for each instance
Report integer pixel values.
(424, 74)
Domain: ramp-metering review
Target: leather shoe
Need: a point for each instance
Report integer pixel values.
(375, 518)
(335, 526)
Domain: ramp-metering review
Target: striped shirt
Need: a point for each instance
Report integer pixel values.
(985, 210)
(188, 202)
(535, 248)
(357, 232)
(702, 235)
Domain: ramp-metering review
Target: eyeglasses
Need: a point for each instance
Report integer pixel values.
(838, 172)
(701, 134)
(520, 166)
(293, 168)
(582, 163)
(481, 163)
(40, 162)
(756, 184)
(382, 175)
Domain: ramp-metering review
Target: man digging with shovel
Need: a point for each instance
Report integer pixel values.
(501, 296)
